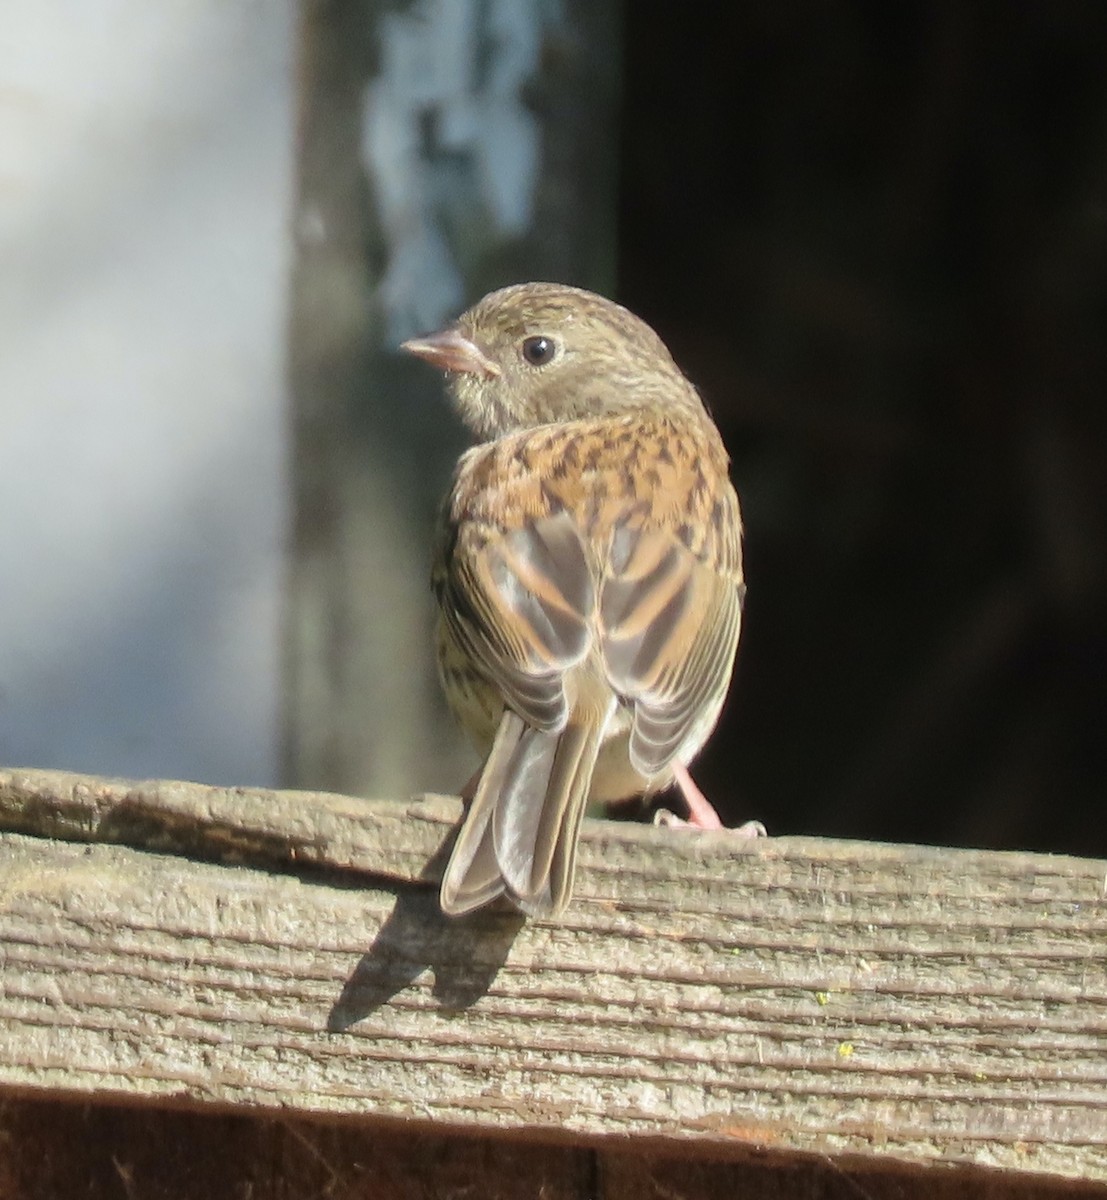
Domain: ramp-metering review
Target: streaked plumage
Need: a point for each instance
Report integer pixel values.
(588, 576)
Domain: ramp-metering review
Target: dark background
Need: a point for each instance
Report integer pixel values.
(875, 235)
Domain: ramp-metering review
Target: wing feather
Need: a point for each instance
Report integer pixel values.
(520, 604)
(670, 627)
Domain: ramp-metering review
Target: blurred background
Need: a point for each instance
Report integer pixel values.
(874, 235)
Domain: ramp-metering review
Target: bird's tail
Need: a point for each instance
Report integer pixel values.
(520, 833)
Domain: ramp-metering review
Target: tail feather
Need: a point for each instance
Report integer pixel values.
(472, 876)
(520, 833)
(536, 826)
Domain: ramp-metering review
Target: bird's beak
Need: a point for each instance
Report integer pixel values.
(450, 350)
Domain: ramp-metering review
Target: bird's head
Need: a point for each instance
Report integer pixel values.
(539, 353)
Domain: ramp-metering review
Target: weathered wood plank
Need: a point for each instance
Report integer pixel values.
(238, 825)
(858, 1001)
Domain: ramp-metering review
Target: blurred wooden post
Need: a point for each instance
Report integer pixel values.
(445, 148)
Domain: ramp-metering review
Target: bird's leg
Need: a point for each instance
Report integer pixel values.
(701, 812)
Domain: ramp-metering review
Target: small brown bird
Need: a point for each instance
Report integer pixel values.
(588, 576)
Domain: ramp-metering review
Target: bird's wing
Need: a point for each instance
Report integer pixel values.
(670, 611)
(516, 591)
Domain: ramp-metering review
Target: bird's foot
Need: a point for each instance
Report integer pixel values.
(701, 812)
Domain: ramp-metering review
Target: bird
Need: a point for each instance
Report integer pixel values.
(588, 578)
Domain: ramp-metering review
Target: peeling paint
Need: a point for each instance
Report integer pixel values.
(448, 142)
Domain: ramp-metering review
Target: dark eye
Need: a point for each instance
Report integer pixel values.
(539, 350)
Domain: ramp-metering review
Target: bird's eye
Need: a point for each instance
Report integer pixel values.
(539, 350)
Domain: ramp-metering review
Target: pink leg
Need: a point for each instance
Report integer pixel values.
(701, 812)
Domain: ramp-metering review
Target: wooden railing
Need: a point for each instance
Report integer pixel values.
(240, 950)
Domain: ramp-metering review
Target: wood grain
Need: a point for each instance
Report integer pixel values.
(865, 1002)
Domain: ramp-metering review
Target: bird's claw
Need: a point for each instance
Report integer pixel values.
(669, 820)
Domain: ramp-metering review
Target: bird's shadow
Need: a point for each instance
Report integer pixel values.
(465, 955)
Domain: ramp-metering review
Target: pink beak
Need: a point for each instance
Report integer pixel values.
(450, 350)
